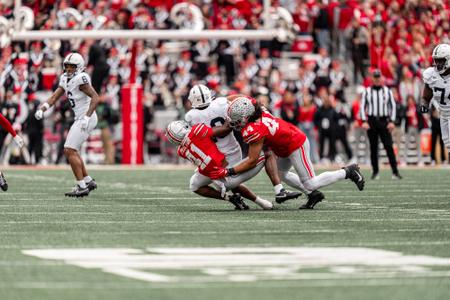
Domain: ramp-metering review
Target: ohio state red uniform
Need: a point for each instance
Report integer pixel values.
(199, 148)
(281, 137)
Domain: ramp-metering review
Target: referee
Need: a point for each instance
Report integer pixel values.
(378, 115)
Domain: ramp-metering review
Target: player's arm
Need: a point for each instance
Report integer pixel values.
(427, 95)
(221, 131)
(254, 152)
(52, 100)
(89, 91)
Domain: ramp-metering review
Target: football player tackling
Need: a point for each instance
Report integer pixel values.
(437, 87)
(259, 128)
(76, 84)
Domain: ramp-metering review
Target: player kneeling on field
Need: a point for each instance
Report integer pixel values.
(196, 144)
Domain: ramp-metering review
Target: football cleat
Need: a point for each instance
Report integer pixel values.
(313, 198)
(285, 195)
(397, 176)
(352, 172)
(238, 203)
(3, 183)
(92, 185)
(78, 191)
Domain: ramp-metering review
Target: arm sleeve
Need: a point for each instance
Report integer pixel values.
(362, 108)
(7, 126)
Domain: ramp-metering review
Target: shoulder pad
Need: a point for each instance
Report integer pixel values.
(429, 76)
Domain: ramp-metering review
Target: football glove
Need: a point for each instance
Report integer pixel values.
(424, 109)
(39, 114)
(19, 141)
(218, 173)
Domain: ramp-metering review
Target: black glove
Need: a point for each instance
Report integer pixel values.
(424, 109)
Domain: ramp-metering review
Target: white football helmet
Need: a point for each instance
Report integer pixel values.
(239, 111)
(200, 96)
(177, 130)
(441, 58)
(73, 59)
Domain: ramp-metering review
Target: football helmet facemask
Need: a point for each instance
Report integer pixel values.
(441, 58)
(177, 130)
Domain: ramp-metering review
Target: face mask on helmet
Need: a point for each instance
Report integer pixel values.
(70, 70)
(176, 131)
(440, 64)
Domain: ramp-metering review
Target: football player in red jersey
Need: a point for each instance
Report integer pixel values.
(17, 139)
(259, 128)
(197, 145)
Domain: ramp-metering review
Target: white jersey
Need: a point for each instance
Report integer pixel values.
(79, 101)
(441, 89)
(215, 115)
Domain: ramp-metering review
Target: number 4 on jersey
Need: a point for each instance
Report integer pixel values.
(271, 124)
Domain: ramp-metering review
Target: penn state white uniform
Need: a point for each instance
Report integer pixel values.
(214, 115)
(440, 85)
(79, 102)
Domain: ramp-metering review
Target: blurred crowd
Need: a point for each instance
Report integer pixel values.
(317, 89)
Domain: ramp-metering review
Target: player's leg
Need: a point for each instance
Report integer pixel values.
(234, 183)
(281, 194)
(386, 139)
(445, 132)
(90, 182)
(75, 138)
(200, 185)
(373, 141)
(3, 183)
(302, 164)
(284, 165)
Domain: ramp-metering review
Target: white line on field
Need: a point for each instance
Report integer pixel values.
(234, 232)
(223, 221)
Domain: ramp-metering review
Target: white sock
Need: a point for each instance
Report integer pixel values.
(87, 179)
(82, 184)
(264, 204)
(278, 188)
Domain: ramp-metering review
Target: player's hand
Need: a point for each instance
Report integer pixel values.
(218, 173)
(84, 123)
(424, 109)
(365, 125)
(39, 114)
(19, 141)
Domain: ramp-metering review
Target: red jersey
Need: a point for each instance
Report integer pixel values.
(199, 147)
(280, 136)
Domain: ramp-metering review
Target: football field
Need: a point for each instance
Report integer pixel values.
(143, 235)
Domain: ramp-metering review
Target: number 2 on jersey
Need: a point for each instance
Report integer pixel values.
(271, 124)
(442, 91)
(71, 101)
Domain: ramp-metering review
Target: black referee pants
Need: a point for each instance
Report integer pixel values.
(378, 129)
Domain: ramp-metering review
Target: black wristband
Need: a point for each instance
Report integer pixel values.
(231, 171)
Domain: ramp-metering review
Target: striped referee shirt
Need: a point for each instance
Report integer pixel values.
(378, 102)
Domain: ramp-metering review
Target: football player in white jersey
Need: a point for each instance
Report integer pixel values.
(437, 88)
(214, 113)
(76, 84)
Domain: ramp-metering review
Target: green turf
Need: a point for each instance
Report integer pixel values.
(142, 209)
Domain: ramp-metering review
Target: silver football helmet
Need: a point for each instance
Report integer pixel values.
(200, 96)
(441, 58)
(177, 130)
(73, 59)
(239, 111)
